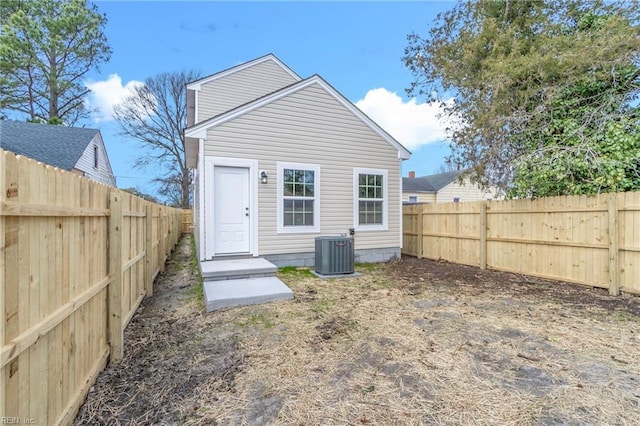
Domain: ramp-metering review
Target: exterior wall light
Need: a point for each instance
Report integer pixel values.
(263, 176)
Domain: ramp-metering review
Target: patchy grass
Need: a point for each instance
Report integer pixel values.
(436, 349)
(196, 291)
(408, 342)
(295, 272)
(365, 267)
(252, 319)
(322, 306)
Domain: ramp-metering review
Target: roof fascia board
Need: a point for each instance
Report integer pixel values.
(197, 85)
(108, 162)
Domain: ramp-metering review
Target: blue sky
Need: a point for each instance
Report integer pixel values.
(356, 46)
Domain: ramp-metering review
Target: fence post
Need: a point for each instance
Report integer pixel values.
(4, 388)
(483, 235)
(418, 209)
(169, 236)
(614, 265)
(161, 251)
(148, 249)
(115, 270)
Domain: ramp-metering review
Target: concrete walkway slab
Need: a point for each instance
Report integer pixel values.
(247, 291)
(237, 268)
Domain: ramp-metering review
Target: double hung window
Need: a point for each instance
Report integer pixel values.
(370, 199)
(298, 197)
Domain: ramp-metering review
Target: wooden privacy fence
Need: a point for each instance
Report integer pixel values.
(587, 240)
(76, 259)
(187, 221)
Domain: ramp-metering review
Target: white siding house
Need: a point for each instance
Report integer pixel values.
(77, 150)
(465, 191)
(94, 162)
(444, 188)
(294, 163)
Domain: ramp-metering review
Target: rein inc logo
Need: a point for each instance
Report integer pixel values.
(17, 421)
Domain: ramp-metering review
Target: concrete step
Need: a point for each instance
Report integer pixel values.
(240, 292)
(229, 269)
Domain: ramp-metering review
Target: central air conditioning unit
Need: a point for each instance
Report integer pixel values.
(334, 255)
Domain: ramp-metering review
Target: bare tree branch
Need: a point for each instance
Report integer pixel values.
(154, 115)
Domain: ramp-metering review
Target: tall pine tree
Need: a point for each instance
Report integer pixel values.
(46, 48)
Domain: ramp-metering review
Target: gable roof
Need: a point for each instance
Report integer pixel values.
(430, 183)
(196, 85)
(58, 146)
(199, 131)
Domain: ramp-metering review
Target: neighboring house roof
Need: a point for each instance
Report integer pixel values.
(57, 146)
(198, 131)
(430, 183)
(195, 85)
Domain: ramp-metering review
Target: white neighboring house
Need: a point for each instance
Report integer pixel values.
(281, 160)
(444, 188)
(74, 149)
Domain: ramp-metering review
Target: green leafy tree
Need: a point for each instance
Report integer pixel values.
(46, 48)
(543, 95)
(155, 115)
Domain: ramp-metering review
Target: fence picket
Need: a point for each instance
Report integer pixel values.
(56, 292)
(587, 240)
(614, 266)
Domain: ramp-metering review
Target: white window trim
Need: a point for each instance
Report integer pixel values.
(202, 225)
(281, 229)
(385, 201)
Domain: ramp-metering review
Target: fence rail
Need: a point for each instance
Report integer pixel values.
(76, 259)
(593, 241)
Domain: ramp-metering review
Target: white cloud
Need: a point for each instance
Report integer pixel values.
(410, 123)
(106, 94)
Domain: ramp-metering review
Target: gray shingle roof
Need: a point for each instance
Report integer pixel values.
(430, 183)
(58, 146)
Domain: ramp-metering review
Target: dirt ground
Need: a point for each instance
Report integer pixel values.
(407, 342)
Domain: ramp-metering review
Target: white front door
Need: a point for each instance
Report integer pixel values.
(231, 210)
